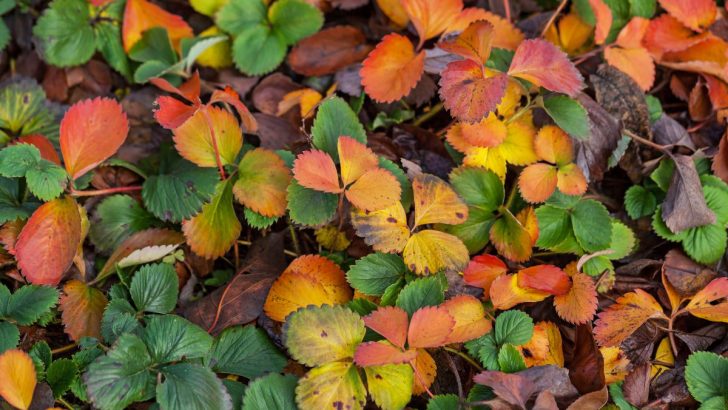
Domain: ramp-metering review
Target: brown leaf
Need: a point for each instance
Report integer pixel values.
(277, 133)
(269, 92)
(667, 131)
(551, 378)
(684, 205)
(348, 4)
(699, 106)
(141, 239)
(241, 300)
(348, 80)
(545, 401)
(720, 161)
(686, 276)
(329, 50)
(82, 307)
(704, 337)
(591, 401)
(623, 98)
(586, 369)
(637, 385)
(513, 388)
(592, 155)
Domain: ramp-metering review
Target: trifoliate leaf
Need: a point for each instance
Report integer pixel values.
(65, 33)
(239, 15)
(154, 288)
(295, 19)
(46, 180)
(170, 338)
(119, 318)
(310, 207)
(258, 50)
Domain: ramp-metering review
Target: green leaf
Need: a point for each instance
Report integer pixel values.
(661, 230)
(236, 391)
(121, 377)
(272, 392)
(474, 231)
(151, 69)
(4, 35)
(154, 46)
(444, 402)
(568, 114)
(478, 187)
(42, 358)
(310, 207)
(154, 288)
(510, 359)
(717, 200)
(639, 202)
(60, 375)
(193, 48)
(706, 375)
(486, 350)
(191, 386)
(119, 318)
(500, 59)
(421, 292)
(554, 225)
(390, 386)
(11, 207)
(46, 180)
(622, 241)
(180, 189)
(170, 338)
(597, 265)
(17, 159)
(65, 33)
(24, 110)
(245, 351)
(662, 175)
(258, 50)
(705, 244)
(257, 220)
(587, 218)
(653, 103)
(407, 196)
(617, 396)
(28, 304)
(115, 219)
(514, 327)
(239, 15)
(642, 8)
(295, 19)
(374, 273)
(9, 336)
(108, 42)
(334, 119)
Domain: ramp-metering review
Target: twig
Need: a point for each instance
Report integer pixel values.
(465, 357)
(65, 403)
(507, 7)
(454, 370)
(434, 110)
(63, 349)
(662, 148)
(553, 17)
(294, 239)
(107, 191)
(285, 251)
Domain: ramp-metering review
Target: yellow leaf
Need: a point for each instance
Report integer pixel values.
(331, 238)
(376, 189)
(391, 385)
(394, 10)
(331, 386)
(711, 303)
(384, 230)
(308, 280)
(216, 228)
(305, 98)
(431, 251)
(616, 364)
(194, 141)
(623, 318)
(207, 7)
(219, 54)
(488, 158)
(518, 148)
(262, 181)
(470, 320)
(664, 355)
(436, 202)
(425, 371)
(17, 378)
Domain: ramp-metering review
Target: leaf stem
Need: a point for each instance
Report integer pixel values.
(553, 17)
(213, 138)
(464, 357)
(63, 349)
(434, 110)
(108, 191)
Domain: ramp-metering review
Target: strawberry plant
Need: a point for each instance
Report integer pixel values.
(349, 204)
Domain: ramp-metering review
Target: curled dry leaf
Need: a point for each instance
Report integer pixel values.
(684, 205)
(328, 51)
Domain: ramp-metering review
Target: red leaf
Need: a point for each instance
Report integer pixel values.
(47, 151)
(141, 15)
(483, 270)
(48, 242)
(381, 353)
(91, 132)
(467, 93)
(541, 63)
(390, 322)
(546, 278)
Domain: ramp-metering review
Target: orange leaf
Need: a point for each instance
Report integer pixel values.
(17, 378)
(392, 69)
(141, 15)
(579, 304)
(541, 63)
(491, 131)
(545, 346)
(429, 327)
(171, 112)
(552, 144)
(482, 271)
(214, 230)
(469, 316)
(505, 293)
(616, 364)
(527, 218)
(91, 132)
(48, 242)
(466, 91)
(315, 169)
(473, 43)
(376, 189)
(262, 182)
(229, 96)
(308, 280)
(635, 62)
(425, 370)
(385, 230)
(571, 180)
(695, 14)
(624, 317)
(391, 322)
(666, 33)
(355, 158)
(46, 148)
(718, 93)
(571, 33)
(711, 303)
(633, 33)
(537, 182)
(511, 238)
(189, 90)
(381, 353)
(432, 17)
(82, 307)
(505, 34)
(195, 143)
(544, 278)
(603, 15)
(394, 10)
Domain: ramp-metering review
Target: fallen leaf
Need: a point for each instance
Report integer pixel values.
(586, 369)
(684, 206)
(685, 276)
(17, 378)
(513, 388)
(82, 307)
(328, 51)
(624, 317)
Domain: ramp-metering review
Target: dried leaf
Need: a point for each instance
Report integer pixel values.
(684, 205)
(82, 307)
(328, 51)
